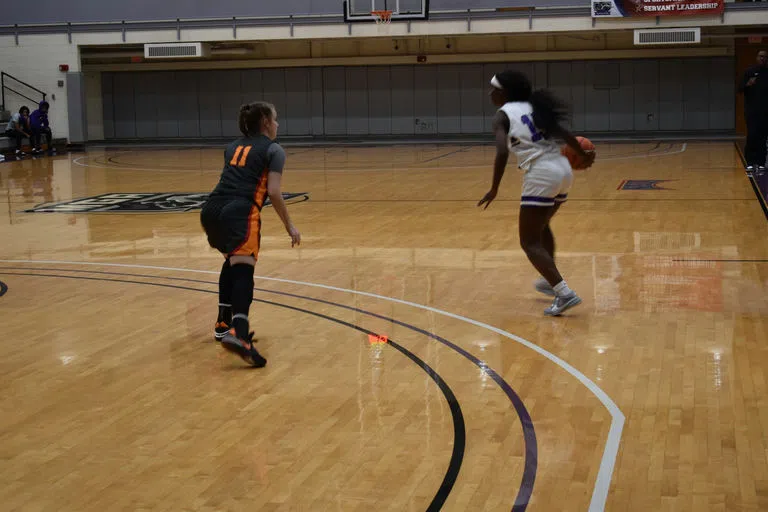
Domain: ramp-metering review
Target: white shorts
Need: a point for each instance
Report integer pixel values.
(547, 182)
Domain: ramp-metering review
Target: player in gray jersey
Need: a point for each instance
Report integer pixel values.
(253, 168)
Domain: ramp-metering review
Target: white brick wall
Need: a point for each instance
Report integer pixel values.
(36, 61)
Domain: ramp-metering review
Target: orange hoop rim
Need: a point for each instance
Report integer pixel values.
(382, 16)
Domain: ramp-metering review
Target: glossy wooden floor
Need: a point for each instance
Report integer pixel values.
(114, 396)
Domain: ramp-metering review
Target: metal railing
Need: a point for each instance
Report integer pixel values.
(236, 22)
(3, 87)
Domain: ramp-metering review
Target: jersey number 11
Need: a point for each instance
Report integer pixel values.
(241, 154)
(536, 135)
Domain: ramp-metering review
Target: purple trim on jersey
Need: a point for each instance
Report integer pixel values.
(537, 201)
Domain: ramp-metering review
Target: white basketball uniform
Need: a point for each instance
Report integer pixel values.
(548, 175)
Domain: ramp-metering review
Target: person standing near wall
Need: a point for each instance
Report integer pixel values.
(754, 85)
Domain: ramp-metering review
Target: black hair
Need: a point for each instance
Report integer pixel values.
(548, 110)
(252, 114)
(22, 109)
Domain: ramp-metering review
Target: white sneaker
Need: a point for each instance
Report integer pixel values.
(561, 304)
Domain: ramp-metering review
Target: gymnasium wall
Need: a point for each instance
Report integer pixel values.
(35, 57)
(694, 94)
(52, 11)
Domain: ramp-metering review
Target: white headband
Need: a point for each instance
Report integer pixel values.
(495, 82)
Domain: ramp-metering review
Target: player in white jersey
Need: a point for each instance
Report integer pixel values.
(526, 124)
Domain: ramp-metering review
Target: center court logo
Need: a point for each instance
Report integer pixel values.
(143, 203)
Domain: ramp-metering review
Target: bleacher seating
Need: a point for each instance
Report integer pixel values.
(5, 142)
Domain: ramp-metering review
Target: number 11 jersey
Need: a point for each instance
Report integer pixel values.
(247, 163)
(524, 138)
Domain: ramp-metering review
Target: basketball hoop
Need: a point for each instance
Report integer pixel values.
(382, 17)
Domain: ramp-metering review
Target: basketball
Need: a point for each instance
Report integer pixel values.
(571, 155)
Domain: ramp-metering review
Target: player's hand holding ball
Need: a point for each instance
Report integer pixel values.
(580, 162)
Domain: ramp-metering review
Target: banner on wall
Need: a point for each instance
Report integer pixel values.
(637, 8)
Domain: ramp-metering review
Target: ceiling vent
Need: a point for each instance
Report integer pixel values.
(176, 51)
(665, 36)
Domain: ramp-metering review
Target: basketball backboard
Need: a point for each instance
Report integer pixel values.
(362, 10)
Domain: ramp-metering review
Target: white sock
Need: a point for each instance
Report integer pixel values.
(562, 290)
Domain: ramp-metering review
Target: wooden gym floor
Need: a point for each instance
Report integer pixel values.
(651, 395)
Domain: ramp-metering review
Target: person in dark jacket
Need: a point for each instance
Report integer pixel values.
(754, 85)
(40, 126)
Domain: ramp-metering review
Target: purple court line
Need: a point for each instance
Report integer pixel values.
(529, 434)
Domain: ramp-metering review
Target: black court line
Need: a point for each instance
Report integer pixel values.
(306, 198)
(728, 261)
(753, 182)
(760, 198)
(529, 432)
(303, 197)
(502, 200)
(718, 168)
(353, 201)
(165, 147)
(289, 153)
(113, 159)
(126, 166)
(459, 428)
(460, 150)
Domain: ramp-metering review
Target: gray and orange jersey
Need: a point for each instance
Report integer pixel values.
(247, 163)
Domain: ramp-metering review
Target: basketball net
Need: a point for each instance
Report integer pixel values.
(382, 17)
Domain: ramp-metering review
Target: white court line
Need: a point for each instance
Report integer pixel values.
(79, 161)
(603, 480)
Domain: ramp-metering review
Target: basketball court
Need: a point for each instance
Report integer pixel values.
(648, 392)
(410, 365)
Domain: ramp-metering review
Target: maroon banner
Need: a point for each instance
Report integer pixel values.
(635, 8)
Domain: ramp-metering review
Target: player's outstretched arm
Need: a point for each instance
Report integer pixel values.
(501, 132)
(276, 162)
(276, 197)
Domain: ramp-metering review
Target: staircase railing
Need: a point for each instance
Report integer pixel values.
(6, 76)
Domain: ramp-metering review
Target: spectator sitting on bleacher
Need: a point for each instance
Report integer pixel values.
(18, 128)
(40, 126)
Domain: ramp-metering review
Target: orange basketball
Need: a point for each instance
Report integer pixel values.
(571, 155)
